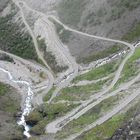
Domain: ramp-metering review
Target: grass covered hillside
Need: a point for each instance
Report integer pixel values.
(9, 106)
(14, 38)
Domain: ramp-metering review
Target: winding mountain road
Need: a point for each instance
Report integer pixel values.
(88, 105)
(55, 39)
(58, 124)
(86, 82)
(82, 109)
(64, 84)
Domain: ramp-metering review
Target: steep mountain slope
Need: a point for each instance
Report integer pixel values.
(113, 19)
(104, 17)
(14, 37)
(77, 63)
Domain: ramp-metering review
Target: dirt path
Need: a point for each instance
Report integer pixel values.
(33, 36)
(55, 126)
(92, 36)
(74, 72)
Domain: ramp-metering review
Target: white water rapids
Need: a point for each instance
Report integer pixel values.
(27, 105)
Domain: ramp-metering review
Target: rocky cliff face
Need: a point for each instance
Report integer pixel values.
(130, 129)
